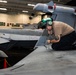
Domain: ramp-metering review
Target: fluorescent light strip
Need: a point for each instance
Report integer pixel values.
(3, 9)
(31, 4)
(25, 11)
(2, 1)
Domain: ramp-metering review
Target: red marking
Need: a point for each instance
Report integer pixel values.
(5, 63)
(50, 7)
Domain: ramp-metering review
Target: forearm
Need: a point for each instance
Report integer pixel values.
(52, 41)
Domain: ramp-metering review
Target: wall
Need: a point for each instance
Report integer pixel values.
(14, 18)
(35, 19)
(18, 18)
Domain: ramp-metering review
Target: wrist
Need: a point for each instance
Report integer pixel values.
(48, 41)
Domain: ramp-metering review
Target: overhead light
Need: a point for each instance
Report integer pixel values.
(3, 1)
(25, 11)
(3, 9)
(31, 4)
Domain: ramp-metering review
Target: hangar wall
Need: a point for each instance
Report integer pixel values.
(18, 18)
(35, 19)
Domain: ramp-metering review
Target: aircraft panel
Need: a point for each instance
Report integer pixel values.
(65, 17)
(22, 31)
(42, 39)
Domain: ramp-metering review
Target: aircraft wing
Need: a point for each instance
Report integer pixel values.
(45, 62)
(3, 40)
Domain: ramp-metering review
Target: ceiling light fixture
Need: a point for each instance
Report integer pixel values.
(3, 9)
(31, 4)
(3, 1)
(25, 11)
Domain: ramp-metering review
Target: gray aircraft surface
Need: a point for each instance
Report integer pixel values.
(52, 7)
(25, 38)
(44, 60)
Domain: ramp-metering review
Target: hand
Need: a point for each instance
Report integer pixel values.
(48, 41)
(52, 41)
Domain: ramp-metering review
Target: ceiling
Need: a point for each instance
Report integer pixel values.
(17, 6)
